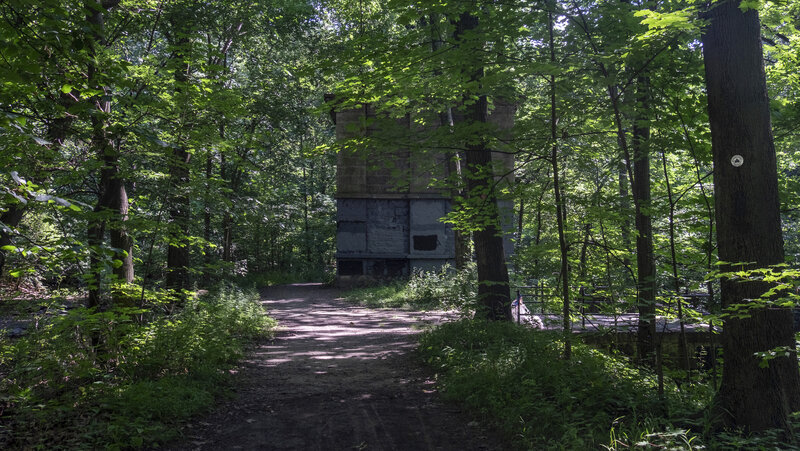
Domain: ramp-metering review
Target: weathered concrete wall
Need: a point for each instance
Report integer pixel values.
(430, 238)
(387, 227)
(388, 220)
(392, 236)
(353, 178)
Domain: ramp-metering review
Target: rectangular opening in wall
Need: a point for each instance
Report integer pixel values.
(396, 268)
(425, 242)
(351, 267)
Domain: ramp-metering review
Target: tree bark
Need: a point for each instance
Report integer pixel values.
(625, 206)
(207, 214)
(560, 210)
(111, 195)
(179, 215)
(748, 221)
(493, 285)
(177, 277)
(645, 259)
(120, 238)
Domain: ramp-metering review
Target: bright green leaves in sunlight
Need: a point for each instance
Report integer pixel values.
(660, 22)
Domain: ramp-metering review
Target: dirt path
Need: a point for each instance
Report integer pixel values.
(336, 377)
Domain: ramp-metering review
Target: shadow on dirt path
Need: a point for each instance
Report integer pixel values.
(336, 377)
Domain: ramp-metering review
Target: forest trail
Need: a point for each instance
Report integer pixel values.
(336, 377)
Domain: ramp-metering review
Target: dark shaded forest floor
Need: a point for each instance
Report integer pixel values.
(336, 377)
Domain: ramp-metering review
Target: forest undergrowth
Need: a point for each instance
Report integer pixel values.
(124, 377)
(516, 379)
(446, 289)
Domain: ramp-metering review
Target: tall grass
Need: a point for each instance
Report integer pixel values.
(123, 377)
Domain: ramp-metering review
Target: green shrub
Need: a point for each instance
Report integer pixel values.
(123, 377)
(447, 287)
(517, 380)
(443, 289)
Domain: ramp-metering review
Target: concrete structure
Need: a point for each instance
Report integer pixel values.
(389, 210)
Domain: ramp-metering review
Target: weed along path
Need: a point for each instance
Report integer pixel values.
(336, 377)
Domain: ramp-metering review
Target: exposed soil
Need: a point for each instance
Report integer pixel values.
(336, 377)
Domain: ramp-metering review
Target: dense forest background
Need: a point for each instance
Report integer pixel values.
(153, 148)
(196, 136)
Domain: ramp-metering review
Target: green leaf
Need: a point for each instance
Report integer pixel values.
(747, 5)
(41, 142)
(9, 248)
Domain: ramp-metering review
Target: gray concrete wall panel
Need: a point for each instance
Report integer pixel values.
(387, 226)
(351, 179)
(351, 237)
(429, 236)
(351, 210)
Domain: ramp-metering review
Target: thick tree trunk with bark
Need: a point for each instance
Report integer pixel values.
(179, 204)
(645, 259)
(493, 286)
(178, 250)
(111, 195)
(748, 221)
(120, 239)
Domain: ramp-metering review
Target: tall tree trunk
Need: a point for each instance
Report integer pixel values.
(582, 262)
(227, 218)
(560, 210)
(493, 285)
(748, 221)
(520, 220)
(179, 205)
(625, 206)
(207, 208)
(623, 170)
(179, 215)
(537, 238)
(683, 348)
(120, 239)
(111, 195)
(306, 229)
(645, 259)
(97, 224)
